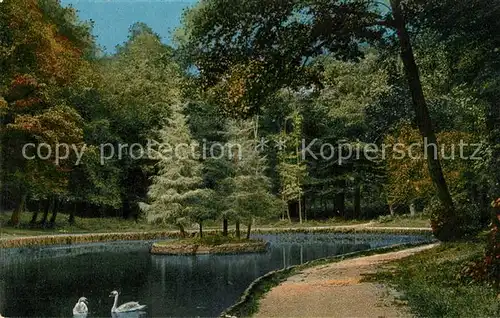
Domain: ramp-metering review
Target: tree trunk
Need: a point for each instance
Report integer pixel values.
(412, 209)
(181, 229)
(249, 229)
(201, 229)
(283, 210)
(340, 203)
(15, 218)
(34, 217)
(225, 226)
(52, 221)
(304, 208)
(71, 219)
(444, 226)
(300, 185)
(357, 202)
(238, 232)
(299, 202)
(288, 213)
(49, 207)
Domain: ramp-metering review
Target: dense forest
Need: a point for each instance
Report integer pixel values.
(315, 95)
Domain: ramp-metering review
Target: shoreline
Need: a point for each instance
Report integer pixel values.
(70, 239)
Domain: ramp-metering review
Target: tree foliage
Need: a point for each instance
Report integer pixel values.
(176, 191)
(279, 37)
(355, 73)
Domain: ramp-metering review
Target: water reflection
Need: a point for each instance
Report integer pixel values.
(133, 314)
(46, 281)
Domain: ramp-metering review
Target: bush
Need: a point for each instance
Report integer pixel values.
(386, 218)
(465, 222)
(488, 268)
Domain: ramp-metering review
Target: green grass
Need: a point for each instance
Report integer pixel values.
(209, 240)
(308, 223)
(433, 287)
(406, 220)
(82, 225)
(420, 220)
(106, 225)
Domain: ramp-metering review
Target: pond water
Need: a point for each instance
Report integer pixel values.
(47, 282)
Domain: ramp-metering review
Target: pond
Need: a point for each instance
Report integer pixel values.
(47, 282)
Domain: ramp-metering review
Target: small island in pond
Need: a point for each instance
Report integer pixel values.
(209, 245)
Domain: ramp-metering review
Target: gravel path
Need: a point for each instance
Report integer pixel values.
(335, 290)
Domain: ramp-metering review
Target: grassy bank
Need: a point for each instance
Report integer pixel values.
(406, 220)
(86, 230)
(433, 287)
(82, 225)
(70, 239)
(104, 225)
(78, 238)
(308, 223)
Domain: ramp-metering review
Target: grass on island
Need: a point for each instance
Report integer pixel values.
(209, 240)
(432, 285)
(209, 244)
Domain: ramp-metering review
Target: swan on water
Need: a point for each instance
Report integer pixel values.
(81, 307)
(126, 307)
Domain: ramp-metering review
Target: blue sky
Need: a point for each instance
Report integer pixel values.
(112, 18)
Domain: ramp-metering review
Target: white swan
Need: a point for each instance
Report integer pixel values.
(126, 307)
(81, 307)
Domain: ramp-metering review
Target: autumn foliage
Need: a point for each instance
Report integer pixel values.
(39, 44)
(39, 59)
(408, 177)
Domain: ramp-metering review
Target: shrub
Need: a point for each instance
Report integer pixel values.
(385, 218)
(488, 268)
(465, 222)
(492, 259)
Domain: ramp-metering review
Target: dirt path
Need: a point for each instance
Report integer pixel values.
(335, 290)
